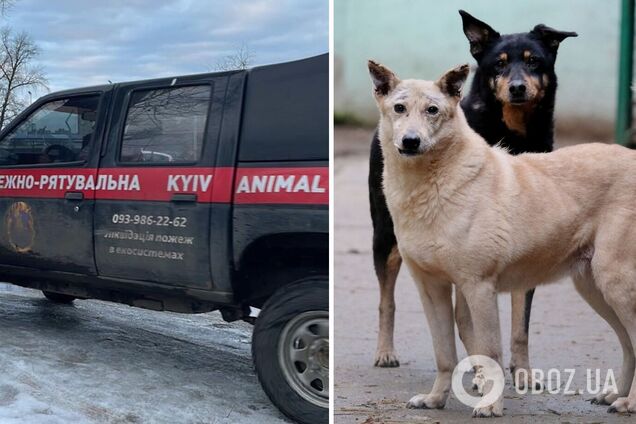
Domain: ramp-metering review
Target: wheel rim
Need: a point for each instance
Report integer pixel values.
(303, 353)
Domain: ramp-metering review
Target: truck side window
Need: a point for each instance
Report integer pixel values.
(166, 125)
(59, 131)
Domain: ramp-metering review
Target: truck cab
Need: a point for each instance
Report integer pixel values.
(190, 194)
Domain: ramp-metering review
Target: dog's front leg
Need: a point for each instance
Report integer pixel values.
(438, 306)
(482, 302)
(467, 335)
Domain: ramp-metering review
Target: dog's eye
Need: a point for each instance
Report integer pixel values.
(399, 108)
(500, 63)
(432, 110)
(533, 62)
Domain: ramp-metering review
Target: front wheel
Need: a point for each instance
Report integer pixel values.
(290, 348)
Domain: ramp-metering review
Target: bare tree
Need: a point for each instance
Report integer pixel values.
(241, 59)
(5, 6)
(17, 72)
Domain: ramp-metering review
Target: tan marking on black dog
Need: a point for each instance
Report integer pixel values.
(516, 116)
(501, 88)
(385, 353)
(535, 90)
(503, 56)
(526, 55)
(513, 116)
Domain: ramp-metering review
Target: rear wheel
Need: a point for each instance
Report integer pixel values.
(290, 348)
(58, 297)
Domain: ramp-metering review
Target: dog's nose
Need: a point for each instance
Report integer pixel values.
(517, 88)
(410, 143)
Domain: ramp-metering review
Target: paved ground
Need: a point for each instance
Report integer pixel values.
(99, 362)
(564, 331)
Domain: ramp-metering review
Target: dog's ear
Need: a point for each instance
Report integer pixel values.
(479, 34)
(451, 82)
(550, 36)
(384, 80)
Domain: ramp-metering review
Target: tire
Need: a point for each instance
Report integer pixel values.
(295, 321)
(58, 297)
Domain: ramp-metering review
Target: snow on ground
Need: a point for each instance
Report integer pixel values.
(100, 362)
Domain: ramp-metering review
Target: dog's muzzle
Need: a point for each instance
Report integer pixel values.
(517, 92)
(410, 146)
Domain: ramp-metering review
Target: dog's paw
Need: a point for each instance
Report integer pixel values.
(605, 398)
(430, 401)
(386, 359)
(479, 382)
(622, 405)
(523, 379)
(493, 410)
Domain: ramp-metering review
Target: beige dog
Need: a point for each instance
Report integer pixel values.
(475, 216)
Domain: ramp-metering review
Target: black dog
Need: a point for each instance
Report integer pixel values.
(510, 103)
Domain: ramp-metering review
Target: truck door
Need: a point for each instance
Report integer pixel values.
(152, 212)
(47, 175)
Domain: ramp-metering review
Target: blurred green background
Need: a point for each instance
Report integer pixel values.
(423, 38)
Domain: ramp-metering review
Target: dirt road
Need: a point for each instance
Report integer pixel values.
(564, 332)
(99, 362)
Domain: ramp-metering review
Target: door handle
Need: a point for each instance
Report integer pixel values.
(74, 195)
(184, 198)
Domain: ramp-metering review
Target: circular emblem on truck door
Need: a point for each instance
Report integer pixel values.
(20, 228)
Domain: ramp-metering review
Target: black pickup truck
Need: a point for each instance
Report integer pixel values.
(190, 194)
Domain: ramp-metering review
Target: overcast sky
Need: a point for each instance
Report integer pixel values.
(86, 42)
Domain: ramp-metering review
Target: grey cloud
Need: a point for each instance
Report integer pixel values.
(85, 43)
